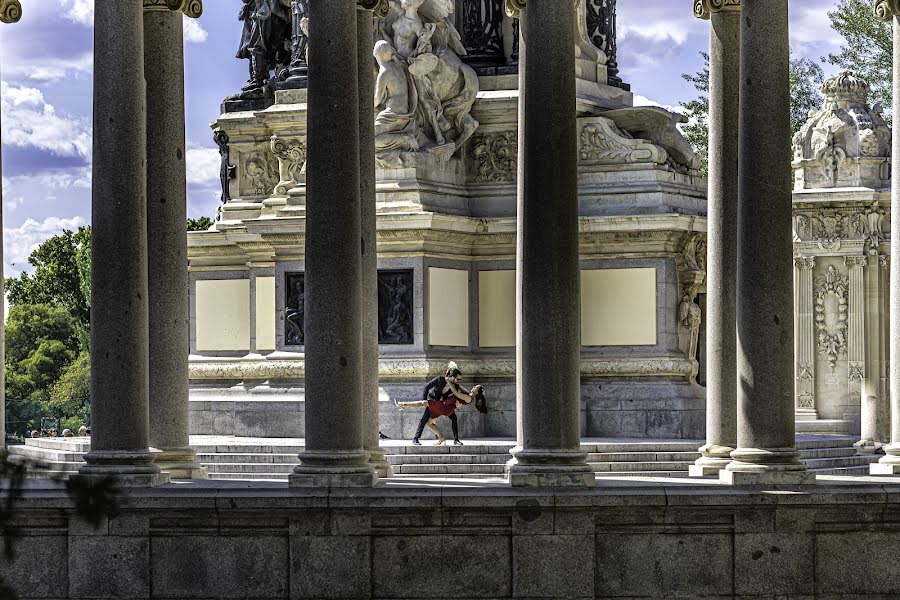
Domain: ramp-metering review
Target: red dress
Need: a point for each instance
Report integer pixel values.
(442, 408)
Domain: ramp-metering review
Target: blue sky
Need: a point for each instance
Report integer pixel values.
(46, 66)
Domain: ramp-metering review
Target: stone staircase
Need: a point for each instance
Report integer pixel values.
(261, 459)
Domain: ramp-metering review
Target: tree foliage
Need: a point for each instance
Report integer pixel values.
(806, 78)
(70, 395)
(201, 224)
(868, 46)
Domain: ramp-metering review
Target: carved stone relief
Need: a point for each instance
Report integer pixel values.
(602, 143)
(832, 295)
(258, 172)
(291, 156)
(830, 227)
(493, 157)
(395, 307)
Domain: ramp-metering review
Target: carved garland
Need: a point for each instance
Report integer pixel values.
(495, 157)
(10, 11)
(831, 339)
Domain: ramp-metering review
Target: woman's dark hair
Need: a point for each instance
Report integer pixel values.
(453, 373)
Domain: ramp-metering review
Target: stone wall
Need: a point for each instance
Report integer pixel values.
(415, 542)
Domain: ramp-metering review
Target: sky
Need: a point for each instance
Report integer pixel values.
(46, 66)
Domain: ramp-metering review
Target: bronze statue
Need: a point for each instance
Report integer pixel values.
(265, 41)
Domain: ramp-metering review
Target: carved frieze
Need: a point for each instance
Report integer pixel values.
(602, 143)
(258, 172)
(291, 155)
(831, 304)
(494, 157)
(830, 227)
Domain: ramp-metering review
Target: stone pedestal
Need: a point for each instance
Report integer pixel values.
(167, 244)
(119, 309)
(766, 450)
(724, 85)
(547, 264)
(334, 454)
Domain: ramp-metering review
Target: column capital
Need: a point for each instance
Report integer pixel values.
(855, 261)
(191, 8)
(886, 9)
(805, 262)
(10, 11)
(884, 261)
(514, 7)
(379, 7)
(703, 9)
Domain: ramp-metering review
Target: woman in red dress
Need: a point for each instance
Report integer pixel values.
(441, 397)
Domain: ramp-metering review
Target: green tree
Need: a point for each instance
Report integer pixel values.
(58, 278)
(868, 46)
(70, 395)
(201, 224)
(806, 80)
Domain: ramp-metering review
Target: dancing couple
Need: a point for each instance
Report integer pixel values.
(441, 397)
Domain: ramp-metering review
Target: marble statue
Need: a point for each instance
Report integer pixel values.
(424, 92)
(265, 41)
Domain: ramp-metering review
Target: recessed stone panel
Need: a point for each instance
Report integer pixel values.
(448, 307)
(223, 315)
(497, 309)
(618, 307)
(265, 313)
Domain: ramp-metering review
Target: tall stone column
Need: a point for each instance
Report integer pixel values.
(10, 12)
(766, 452)
(889, 464)
(369, 315)
(334, 454)
(119, 306)
(548, 346)
(856, 339)
(167, 242)
(805, 340)
(873, 434)
(724, 92)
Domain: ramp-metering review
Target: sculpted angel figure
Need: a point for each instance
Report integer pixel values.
(419, 39)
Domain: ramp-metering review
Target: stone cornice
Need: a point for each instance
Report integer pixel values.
(379, 7)
(886, 9)
(191, 8)
(420, 367)
(703, 9)
(10, 11)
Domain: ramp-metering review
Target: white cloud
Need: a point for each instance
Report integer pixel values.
(203, 166)
(14, 202)
(194, 32)
(57, 179)
(21, 241)
(79, 11)
(30, 122)
(645, 101)
(43, 70)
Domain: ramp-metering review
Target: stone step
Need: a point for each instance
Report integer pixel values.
(40, 465)
(490, 459)
(828, 453)
(248, 449)
(442, 469)
(73, 444)
(246, 458)
(598, 457)
(250, 467)
(619, 467)
(252, 476)
(826, 441)
(854, 461)
(35, 452)
(601, 475)
(824, 426)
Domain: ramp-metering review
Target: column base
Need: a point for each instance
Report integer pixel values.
(867, 447)
(380, 463)
(766, 466)
(130, 468)
(889, 464)
(319, 469)
(714, 458)
(549, 468)
(179, 463)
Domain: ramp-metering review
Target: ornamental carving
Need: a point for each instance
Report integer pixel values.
(805, 372)
(658, 126)
(886, 9)
(704, 8)
(856, 371)
(494, 157)
(846, 143)
(831, 295)
(830, 227)
(258, 172)
(806, 400)
(805, 262)
(602, 143)
(291, 161)
(601, 29)
(191, 8)
(10, 11)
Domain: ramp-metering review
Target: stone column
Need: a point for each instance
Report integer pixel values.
(119, 306)
(889, 464)
(873, 435)
(334, 454)
(724, 91)
(369, 315)
(167, 243)
(805, 340)
(766, 452)
(548, 347)
(856, 338)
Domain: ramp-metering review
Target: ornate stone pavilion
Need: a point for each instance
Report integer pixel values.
(445, 233)
(758, 526)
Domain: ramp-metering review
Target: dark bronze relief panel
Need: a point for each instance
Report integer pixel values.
(294, 308)
(395, 307)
